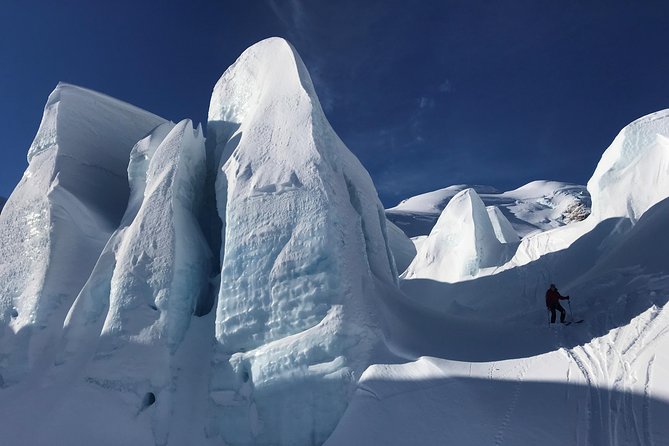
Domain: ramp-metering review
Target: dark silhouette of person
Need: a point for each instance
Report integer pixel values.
(553, 298)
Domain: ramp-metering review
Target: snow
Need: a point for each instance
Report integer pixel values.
(153, 275)
(403, 249)
(69, 201)
(461, 243)
(126, 319)
(534, 207)
(304, 242)
(503, 229)
(633, 173)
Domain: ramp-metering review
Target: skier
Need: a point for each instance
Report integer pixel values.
(553, 298)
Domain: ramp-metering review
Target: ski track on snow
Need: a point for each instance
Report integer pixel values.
(506, 420)
(612, 417)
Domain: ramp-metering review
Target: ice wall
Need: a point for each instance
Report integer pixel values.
(61, 214)
(461, 243)
(633, 173)
(131, 317)
(304, 245)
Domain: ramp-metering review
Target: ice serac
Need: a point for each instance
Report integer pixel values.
(461, 243)
(152, 277)
(61, 214)
(503, 229)
(631, 177)
(633, 173)
(305, 247)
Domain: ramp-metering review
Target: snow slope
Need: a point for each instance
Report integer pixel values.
(61, 214)
(534, 207)
(304, 243)
(482, 349)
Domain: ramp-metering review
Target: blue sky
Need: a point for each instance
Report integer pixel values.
(425, 93)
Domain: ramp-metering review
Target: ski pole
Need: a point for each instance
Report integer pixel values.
(571, 313)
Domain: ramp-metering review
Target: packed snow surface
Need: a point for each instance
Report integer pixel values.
(160, 289)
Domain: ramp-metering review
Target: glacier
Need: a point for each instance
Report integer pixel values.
(162, 288)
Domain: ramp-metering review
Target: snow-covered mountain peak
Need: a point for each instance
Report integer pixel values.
(436, 201)
(533, 207)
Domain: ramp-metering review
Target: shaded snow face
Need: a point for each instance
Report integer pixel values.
(402, 247)
(304, 242)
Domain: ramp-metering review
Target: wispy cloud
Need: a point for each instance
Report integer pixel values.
(426, 102)
(446, 86)
(295, 18)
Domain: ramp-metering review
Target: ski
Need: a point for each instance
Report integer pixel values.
(574, 322)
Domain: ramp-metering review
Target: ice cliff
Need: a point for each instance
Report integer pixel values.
(304, 246)
(121, 304)
(60, 216)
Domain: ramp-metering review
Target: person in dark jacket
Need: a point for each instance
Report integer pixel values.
(553, 298)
